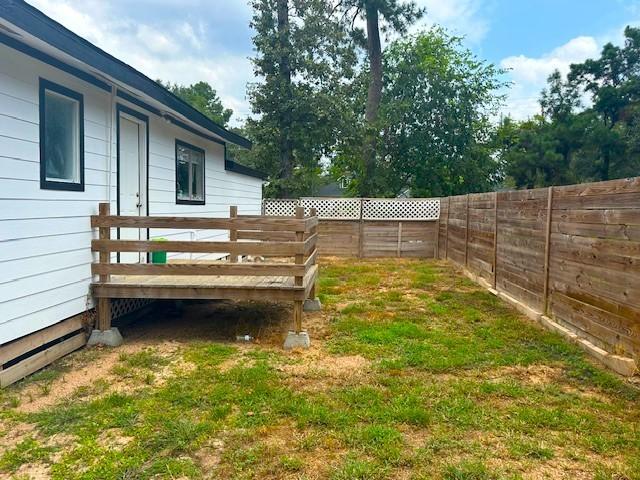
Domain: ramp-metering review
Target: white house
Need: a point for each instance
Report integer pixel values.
(78, 127)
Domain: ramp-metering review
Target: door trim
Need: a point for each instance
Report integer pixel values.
(145, 119)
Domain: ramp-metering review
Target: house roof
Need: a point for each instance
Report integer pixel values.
(44, 28)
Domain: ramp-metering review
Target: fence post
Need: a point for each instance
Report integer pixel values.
(361, 231)
(104, 304)
(495, 241)
(547, 249)
(299, 304)
(446, 235)
(399, 246)
(436, 253)
(466, 233)
(233, 233)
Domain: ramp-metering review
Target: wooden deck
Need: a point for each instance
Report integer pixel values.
(291, 278)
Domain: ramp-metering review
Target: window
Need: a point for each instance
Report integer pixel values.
(189, 174)
(61, 138)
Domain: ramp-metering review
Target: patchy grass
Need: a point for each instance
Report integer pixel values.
(414, 373)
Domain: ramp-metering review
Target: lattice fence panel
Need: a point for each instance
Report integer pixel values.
(333, 208)
(280, 207)
(401, 209)
(121, 307)
(349, 208)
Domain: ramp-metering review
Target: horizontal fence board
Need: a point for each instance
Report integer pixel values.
(241, 248)
(606, 216)
(264, 224)
(250, 269)
(625, 185)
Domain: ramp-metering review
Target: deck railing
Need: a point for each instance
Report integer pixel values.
(257, 235)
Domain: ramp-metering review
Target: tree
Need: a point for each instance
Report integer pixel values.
(392, 15)
(613, 81)
(529, 155)
(203, 98)
(569, 143)
(435, 118)
(303, 56)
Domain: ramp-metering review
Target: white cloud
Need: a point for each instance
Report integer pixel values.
(529, 74)
(462, 17)
(173, 50)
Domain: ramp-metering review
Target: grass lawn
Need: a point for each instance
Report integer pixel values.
(414, 373)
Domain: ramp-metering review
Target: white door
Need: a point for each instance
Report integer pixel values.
(132, 179)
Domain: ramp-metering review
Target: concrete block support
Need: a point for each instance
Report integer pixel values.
(109, 338)
(297, 340)
(312, 305)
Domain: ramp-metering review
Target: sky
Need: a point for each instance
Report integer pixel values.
(186, 41)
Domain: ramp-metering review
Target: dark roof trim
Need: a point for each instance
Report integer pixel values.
(232, 166)
(33, 21)
(54, 62)
(175, 121)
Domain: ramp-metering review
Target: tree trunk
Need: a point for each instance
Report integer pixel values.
(374, 95)
(606, 162)
(284, 76)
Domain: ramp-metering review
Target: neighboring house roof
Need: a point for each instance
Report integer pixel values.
(333, 189)
(34, 22)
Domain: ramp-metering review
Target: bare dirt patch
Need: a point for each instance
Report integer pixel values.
(14, 433)
(530, 374)
(166, 331)
(80, 376)
(114, 439)
(209, 456)
(32, 471)
(315, 369)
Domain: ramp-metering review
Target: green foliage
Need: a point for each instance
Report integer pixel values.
(203, 98)
(303, 62)
(437, 106)
(434, 122)
(571, 144)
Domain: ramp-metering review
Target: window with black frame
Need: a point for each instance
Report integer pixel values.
(61, 138)
(189, 174)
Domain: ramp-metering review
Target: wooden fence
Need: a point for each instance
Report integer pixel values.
(370, 227)
(569, 254)
(374, 239)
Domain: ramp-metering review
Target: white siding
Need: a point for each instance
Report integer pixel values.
(45, 235)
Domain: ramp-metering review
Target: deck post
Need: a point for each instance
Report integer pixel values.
(297, 311)
(104, 334)
(233, 233)
(312, 304)
(297, 338)
(104, 304)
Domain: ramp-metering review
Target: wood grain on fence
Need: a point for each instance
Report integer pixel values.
(377, 238)
(571, 252)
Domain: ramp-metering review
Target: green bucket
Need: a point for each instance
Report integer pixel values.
(159, 257)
